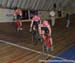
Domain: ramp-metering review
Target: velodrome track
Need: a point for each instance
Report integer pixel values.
(63, 38)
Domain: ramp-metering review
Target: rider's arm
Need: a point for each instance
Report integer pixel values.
(50, 35)
(14, 15)
(49, 28)
(20, 13)
(31, 25)
(40, 26)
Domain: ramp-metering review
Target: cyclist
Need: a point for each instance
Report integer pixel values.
(18, 15)
(34, 28)
(46, 31)
(35, 23)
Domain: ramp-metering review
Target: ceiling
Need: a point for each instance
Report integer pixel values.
(37, 4)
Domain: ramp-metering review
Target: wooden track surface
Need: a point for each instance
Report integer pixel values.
(63, 38)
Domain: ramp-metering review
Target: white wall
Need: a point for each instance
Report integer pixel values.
(44, 14)
(6, 15)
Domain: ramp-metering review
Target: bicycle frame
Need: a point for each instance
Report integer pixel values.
(35, 36)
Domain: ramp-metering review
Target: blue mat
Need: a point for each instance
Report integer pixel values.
(68, 54)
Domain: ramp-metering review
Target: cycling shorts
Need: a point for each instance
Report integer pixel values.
(18, 17)
(45, 29)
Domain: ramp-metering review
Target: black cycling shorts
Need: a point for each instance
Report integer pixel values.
(45, 29)
(18, 17)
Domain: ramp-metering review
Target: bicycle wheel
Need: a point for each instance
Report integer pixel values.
(34, 37)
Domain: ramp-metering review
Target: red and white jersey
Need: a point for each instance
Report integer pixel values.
(17, 12)
(45, 23)
(36, 18)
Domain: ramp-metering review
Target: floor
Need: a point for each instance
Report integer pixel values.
(23, 50)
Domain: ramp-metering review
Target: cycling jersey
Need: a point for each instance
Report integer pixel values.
(36, 18)
(36, 21)
(45, 26)
(18, 13)
(45, 23)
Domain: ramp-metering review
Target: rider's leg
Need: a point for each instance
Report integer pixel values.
(40, 31)
(51, 48)
(44, 45)
(20, 25)
(17, 24)
(51, 40)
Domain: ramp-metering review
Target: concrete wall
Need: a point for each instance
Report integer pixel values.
(44, 14)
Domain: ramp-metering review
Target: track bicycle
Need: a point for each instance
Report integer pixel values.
(36, 36)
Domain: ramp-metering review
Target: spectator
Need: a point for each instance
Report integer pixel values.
(67, 20)
(52, 14)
